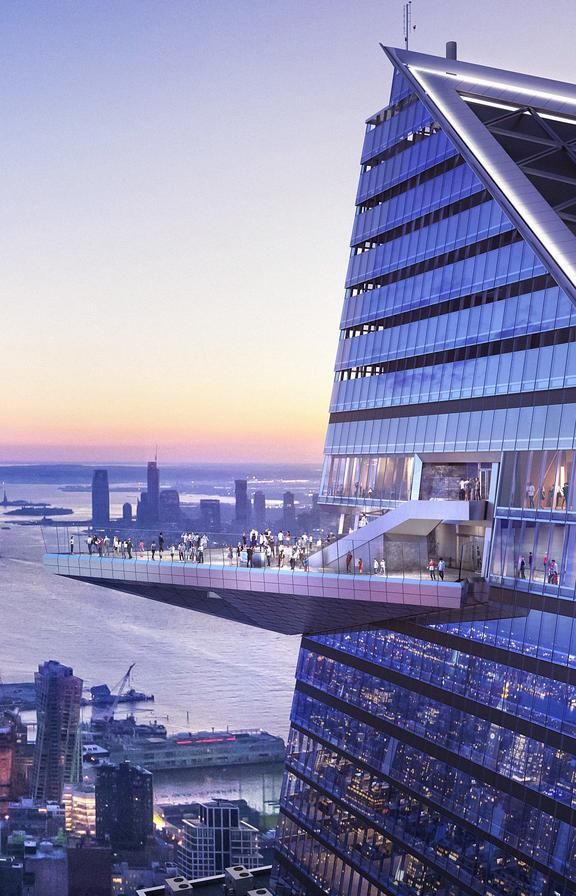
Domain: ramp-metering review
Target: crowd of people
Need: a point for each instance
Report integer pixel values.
(265, 549)
(253, 548)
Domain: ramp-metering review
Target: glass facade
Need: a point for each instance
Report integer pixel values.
(438, 755)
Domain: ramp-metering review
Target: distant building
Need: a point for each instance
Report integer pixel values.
(242, 503)
(124, 806)
(153, 491)
(169, 506)
(80, 808)
(259, 510)
(39, 820)
(289, 514)
(100, 499)
(142, 514)
(13, 740)
(11, 876)
(210, 520)
(217, 839)
(127, 513)
(46, 865)
(126, 877)
(58, 694)
(89, 869)
(315, 511)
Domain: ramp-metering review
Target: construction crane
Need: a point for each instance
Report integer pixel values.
(119, 688)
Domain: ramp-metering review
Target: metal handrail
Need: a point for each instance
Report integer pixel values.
(378, 557)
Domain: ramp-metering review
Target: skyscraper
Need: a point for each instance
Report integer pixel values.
(288, 512)
(433, 751)
(58, 694)
(169, 506)
(210, 519)
(259, 509)
(124, 806)
(13, 739)
(153, 491)
(242, 514)
(437, 755)
(100, 499)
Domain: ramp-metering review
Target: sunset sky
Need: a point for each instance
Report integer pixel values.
(177, 195)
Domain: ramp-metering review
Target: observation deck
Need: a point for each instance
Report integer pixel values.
(326, 595)
(280, 600)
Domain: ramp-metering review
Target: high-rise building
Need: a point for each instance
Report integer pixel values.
(7, 761)
(315, 511)
(152, 508)
(100, 499)
(13, 740)
(56, 753)
(210, 519)
(124, 806)
(259, 510)
(436, 755)
(169, 506)
(216, 839)
(153, 491)
(432, 749)
(142, 514)
(242, 515)
(127, 513)
(288, 512)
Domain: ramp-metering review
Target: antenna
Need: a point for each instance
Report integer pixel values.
(407, 22)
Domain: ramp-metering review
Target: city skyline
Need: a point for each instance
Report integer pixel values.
(139, 145)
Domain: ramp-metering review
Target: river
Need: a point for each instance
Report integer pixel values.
(204, 672)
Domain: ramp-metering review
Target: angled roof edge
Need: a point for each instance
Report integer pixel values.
(437, 81)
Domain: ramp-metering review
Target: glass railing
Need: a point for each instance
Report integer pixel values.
(381, 557)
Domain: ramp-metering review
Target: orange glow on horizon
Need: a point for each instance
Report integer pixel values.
(214, 425)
